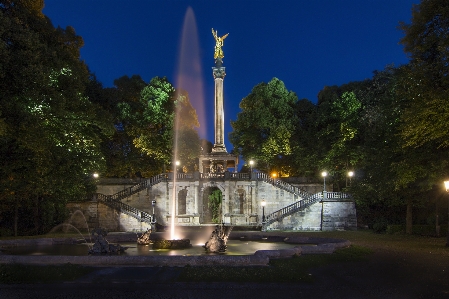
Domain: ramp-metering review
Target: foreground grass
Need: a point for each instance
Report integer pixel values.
(15, 273)
(387, 242)
(294, 269)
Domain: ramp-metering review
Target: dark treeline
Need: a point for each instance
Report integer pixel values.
(59, 125)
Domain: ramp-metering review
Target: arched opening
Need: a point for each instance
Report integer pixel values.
(182, 201)
(212, 200)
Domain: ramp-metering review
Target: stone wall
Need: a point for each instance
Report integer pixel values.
(188, 198)
(95, 214)
(325, 215)
(339, 215)
(305, 220)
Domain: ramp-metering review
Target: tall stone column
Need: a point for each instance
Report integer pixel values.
(219, 74)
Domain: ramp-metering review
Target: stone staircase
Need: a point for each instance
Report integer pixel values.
(115, 200)
(305, 199)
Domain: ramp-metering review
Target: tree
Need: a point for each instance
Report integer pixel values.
(154, 130)
(123, 158)
(47, 118)
(374, 188)
(187, 141)
(304, 157)
(265, 126)
(426, 84)
(337, 148)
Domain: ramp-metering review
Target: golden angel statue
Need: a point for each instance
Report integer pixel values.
(218, 44)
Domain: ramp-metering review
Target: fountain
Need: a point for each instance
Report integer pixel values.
(77, 221)
(188, 78)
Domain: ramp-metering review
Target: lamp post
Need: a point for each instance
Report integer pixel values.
(263, 210)
(446, 185)
(350, 175)
(251, 163)
(324, 175)
(153, 218)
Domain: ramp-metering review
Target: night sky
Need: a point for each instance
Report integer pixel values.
(308, 44)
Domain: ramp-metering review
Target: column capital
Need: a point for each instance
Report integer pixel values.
(219, 72)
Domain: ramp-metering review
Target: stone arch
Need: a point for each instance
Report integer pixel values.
(208, 214)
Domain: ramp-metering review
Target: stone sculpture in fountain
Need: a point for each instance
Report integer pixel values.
(145, 238)
(218, 239)
(102, 246)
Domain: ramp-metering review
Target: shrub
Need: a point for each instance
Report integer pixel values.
(380, 226)
(395, 229)
(422, 230)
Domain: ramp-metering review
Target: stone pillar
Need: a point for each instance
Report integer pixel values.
(171, 189)
(227, 199)
(196, 191)
(254, 200)
(219, 74)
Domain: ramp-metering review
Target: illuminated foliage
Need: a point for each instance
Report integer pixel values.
(215, 199)
(150, 123)
(425, 81)
(154, 134)
(123, 158)
(264, 128)
(50, 129)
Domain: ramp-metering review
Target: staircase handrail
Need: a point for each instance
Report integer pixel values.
(283, 185)
(301, 205)
(290, 209)
(127, 209)
(127, 192)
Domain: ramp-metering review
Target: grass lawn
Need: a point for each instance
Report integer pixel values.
(14, 273)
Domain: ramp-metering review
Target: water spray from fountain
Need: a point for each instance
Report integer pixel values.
(188, 78)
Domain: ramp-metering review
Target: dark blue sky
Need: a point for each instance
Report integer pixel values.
(308, 44)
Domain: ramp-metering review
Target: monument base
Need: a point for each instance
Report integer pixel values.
(218, 162)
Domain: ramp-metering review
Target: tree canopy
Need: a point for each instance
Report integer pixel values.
(263, 129)
(426, 82)
(50, 130)
(58, 125)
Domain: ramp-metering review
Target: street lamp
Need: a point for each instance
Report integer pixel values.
(251, 163)
(153, 218)
(263, 210)
(350, 175)
(324, 175)
(95, 175)
(446, 185)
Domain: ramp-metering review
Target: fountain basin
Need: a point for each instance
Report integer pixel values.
(257, 258)
(171, 244)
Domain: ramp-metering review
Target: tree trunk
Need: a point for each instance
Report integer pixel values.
(408, 219)
(36, 216)
(16, 214)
